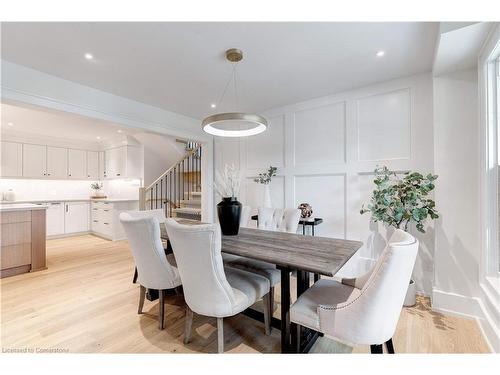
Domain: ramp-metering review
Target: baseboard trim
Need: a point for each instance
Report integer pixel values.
(468, 307)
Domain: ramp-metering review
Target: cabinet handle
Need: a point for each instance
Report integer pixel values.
(45, 174)
(48, 174)
(69, 174)
(106, 210)
(118, 174)
(106, 223)
(66, 208)
(95, 221)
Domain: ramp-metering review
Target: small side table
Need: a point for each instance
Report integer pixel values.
(304, 222)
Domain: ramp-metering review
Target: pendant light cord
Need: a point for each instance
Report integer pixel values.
(232, 77)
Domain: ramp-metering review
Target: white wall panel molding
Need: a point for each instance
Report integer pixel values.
(319, 135)
(328, 174)
(383, 123)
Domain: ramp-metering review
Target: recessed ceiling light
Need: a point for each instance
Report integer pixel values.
(98, 137)
(213, 105)
(89, 56)
(380, 53)
(120, 131)
(10, 124)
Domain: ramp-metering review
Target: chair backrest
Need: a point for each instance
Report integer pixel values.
(283, 220)
(197, 250)
(289, 220)
(371, 314)
(245, 216)
(154, 271)
(158, 213)
(267, 220)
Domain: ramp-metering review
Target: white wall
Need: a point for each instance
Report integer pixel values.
(326, 150)
(160, 153)
(456, 154)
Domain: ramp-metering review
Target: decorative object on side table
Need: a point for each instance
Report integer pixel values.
(265, 179)
(227, 185)
(97, 190)
(305, 210)
(397, 201)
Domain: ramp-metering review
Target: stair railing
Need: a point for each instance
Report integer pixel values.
(177, 183)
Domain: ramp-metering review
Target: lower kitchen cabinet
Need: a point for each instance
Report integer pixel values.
(55, 218)
(76, 217)
(105, 221)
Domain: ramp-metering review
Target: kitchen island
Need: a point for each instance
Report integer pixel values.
(23, 237)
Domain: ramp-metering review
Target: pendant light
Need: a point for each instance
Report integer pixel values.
(234, 124)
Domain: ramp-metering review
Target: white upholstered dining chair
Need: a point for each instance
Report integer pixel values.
(245, 216)
(210, 289)
(157, 213)
(282, 220)
(364, 310)
(155, 269)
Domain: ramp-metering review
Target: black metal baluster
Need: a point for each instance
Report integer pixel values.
(170, 193)
(151, 199)
(156, 195)
(161, 193)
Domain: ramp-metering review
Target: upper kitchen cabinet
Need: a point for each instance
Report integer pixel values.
(34, 161)
(57, 162)
(102, 165)
(93, 165)
(12, 159)
(77, 164)
(124, 162)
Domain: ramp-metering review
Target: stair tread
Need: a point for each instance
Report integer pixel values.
(193, 193)
(191, 201)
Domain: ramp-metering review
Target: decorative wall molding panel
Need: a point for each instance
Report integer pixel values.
(326, 150)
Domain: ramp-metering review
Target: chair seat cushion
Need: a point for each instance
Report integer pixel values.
(248, 287)
(324, 292)
(268, 270)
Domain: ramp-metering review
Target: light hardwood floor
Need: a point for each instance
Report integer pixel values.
(85, 302)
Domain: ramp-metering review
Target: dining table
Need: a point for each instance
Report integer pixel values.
(293, 254)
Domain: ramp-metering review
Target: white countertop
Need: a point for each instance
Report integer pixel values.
(69, 200)
(21, 207)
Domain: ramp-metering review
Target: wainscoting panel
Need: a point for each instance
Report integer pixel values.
(326, 194)
(267, 148)
(326, 150)
(319, 135)
(384, 126)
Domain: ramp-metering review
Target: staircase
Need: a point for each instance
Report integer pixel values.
(178, 189)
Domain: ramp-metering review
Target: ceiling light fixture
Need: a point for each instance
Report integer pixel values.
(98, 137)
(213, 105)
(10, 124)
(89, 56)
(120, 131)
(233, 124)
(380, 53)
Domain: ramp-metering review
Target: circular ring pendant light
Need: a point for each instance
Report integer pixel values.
(234, 124)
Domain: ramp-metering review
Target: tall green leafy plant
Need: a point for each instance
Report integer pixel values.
(399, 200)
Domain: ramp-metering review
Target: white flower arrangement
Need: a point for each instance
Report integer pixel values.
(227, 184)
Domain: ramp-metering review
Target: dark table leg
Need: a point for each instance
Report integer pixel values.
(304, 229)
(285, 310)
(313, 230)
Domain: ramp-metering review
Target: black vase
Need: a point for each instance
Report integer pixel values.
(229, 212)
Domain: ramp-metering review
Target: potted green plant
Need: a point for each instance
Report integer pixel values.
(96, 188)
(265, 179)
(400, 199)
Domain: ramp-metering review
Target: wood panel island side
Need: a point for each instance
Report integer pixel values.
(23, 237)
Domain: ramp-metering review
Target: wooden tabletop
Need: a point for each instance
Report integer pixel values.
(314, 254)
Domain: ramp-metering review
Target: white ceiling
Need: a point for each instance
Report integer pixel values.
(59, 125)
(180, 66)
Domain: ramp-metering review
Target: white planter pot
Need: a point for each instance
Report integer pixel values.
(267, 197)
(410, 299)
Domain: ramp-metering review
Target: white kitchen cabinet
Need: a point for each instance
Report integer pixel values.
(57, 162)
(93, 165)
(105, 221)
(102, 165)
(124, 162)
(34, 160)
(76, 217)
(77, 164)
(12, 159)
(55, 218)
